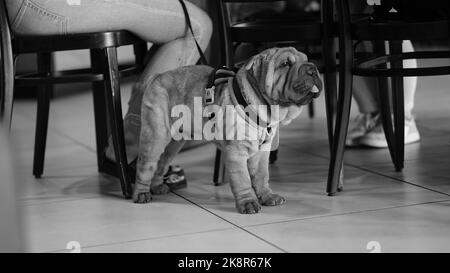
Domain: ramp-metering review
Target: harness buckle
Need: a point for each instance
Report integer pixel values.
(209, 95)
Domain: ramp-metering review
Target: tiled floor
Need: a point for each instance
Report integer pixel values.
(406, 211)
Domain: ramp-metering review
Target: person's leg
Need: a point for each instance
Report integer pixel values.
(410, 83)
(172, 54)
(366, 97)
(366, 129)
(175, 53)
(365, 88)
(157, 21)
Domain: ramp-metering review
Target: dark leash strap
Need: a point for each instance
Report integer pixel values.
(219, 75)
(203, 59)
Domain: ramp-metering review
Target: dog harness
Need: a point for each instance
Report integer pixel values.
(218, 76)
(222, 75)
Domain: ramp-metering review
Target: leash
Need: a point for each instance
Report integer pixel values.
(203, 59)
(219, 76)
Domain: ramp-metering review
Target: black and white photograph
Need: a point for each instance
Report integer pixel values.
(245, 129)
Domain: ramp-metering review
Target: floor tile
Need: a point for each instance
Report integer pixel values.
(97, 221)
(67, 188)
(23, 135)
(61, 161)
(223, 241)
(312, 140)
(304, 190)
(432, 173)
(422, 228)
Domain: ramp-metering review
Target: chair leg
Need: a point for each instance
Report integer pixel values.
(100, 112)
(386, 115)
(114, 106)
(329, 60)
(140, 52)
(43, 107)
(218, 168)
(330, 103)
(273, 156)
(399, 109)
(7, 89)
(335, 174)
(345, 98)
(385, 103)
(311, 111)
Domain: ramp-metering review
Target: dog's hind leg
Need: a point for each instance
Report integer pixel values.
(157, 186)
(155, 136)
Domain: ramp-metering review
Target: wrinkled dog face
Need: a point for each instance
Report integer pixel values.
(284, 76)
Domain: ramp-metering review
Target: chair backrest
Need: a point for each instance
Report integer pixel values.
(6, 67)
(224, 23)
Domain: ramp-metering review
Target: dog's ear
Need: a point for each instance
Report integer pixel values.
(257, 61)
(254, 69)
(253, 63)
(301, 57)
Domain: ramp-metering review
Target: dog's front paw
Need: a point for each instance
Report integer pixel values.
(142, 197)
(272, 200)
(248, 206)
(160, 189)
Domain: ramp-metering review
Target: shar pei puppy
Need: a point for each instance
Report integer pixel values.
(277, 77)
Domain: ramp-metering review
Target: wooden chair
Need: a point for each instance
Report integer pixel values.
(316, 30)
(104, 75)
(394, 30)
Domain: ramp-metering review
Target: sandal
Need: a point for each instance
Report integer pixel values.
(175, 178)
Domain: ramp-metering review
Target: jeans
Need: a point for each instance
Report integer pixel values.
(156, 21)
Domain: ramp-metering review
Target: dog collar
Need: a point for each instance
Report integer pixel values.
(246, 110)
(251, 112)
(225, 74)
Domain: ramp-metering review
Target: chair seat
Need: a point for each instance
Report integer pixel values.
(393, 30)
(52, 43)
(71, 76)
(277, 31)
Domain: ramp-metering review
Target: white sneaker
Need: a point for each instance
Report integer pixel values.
(359, 127)
(376, 138)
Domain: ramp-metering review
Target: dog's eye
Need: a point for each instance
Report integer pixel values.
(285, 63)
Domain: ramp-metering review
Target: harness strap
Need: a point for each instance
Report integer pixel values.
(217, 77)
(240, 99)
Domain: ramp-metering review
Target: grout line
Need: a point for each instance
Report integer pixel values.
(350, 213)
(24, 201)
(64, 135)
(239, 227)
(145, 239)
(60, 133)
(399, 180)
